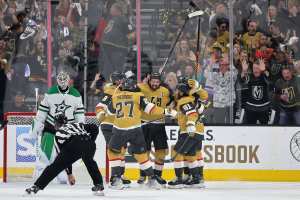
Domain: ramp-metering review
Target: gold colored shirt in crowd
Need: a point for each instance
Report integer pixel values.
(251, 42)
(223, 39)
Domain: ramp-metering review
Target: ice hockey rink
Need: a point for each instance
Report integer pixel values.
(213, 191)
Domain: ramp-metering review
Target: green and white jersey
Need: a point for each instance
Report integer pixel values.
(69, 103)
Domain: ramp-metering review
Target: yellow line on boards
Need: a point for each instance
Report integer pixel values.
(209, 174)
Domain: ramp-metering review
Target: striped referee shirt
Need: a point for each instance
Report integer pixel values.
(64, 133)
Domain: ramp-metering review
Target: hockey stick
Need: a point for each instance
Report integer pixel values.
(37, 142)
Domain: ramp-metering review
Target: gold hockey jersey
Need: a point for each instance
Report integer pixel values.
(103, 109)
(251, 42)
(128, 107)
(160, 97)
(187, 114)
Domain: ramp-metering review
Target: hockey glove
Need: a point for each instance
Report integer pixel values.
(100, 116)
(37, 129)
(191, 129)
(170, 112)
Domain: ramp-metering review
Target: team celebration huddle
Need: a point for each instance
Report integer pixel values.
(131, 116)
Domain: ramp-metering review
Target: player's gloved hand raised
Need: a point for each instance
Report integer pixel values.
(191, 130)
(170, 112)
(71, 179)
(100, 116)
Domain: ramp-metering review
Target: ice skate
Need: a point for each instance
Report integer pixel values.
(141, 180)
(32, 190)
(116, 183)
(176, 183)
(153, 183)
(126, 182)
(195, 182)
(186, 178)
(98, 190)
(161, 181)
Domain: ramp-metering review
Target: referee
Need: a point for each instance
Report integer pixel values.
(73, 141)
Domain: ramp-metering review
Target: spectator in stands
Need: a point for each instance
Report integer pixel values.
(189, 71)
(287, 90)
(115, 41)
(183, 52)
(18, 104)
(220, 11)
(212, 65)
(263, 49)
(97, 84)
(223, 34)
(171, 81)
(297, 68)
(258, 102)
(277, 61)
(251, 39)
(210, 41)
(38, 69)
(223, 80)
(186, 68)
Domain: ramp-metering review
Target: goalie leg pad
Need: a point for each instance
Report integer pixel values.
(47, 144)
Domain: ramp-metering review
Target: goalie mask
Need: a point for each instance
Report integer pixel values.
(63, 80)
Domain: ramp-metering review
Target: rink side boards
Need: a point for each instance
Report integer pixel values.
(230, 153)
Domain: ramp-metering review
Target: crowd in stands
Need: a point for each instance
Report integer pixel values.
(262, 87)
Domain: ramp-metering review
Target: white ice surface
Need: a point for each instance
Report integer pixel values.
(214, 190)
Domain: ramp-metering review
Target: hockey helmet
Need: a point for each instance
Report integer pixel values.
(129, 84)
(183, 85)
(116, 76)
(155, 75)
(63, 80)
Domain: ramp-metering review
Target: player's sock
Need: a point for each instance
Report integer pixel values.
(122, 171)
(142, 178)
(115, 167)
(159, 179)
(115, 172)
(157, 172)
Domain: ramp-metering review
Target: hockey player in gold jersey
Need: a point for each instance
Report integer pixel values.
(201, 102)
(106, 117)
(191, 135)
(128, 105)
(153, 127)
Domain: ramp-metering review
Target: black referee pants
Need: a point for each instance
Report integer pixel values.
(77, 148)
